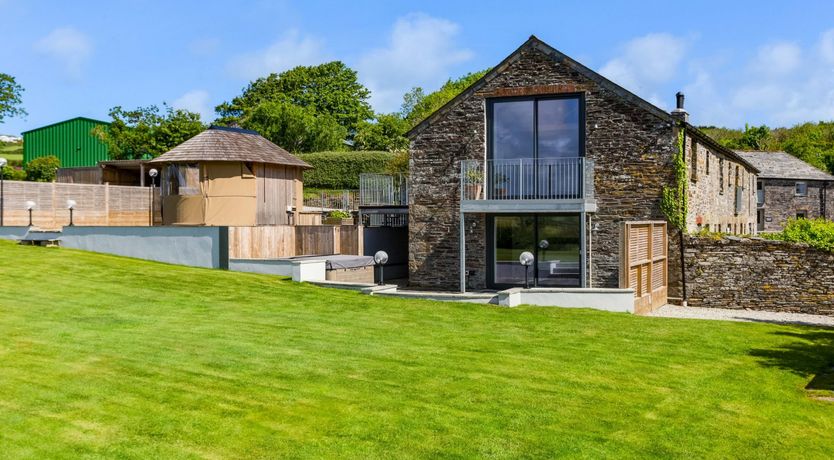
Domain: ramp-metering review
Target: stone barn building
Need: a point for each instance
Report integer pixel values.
(544, 155)
(788, 188)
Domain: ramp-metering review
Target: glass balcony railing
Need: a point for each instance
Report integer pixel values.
(528, 179)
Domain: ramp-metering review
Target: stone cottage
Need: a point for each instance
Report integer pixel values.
(544, 155)
(788, 187)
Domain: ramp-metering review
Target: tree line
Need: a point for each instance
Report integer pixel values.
(810, 142)
(325, 108)
(305, 109)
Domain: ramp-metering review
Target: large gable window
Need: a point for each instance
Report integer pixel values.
(535, 146)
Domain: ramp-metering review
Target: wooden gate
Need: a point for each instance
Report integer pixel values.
(643, 267)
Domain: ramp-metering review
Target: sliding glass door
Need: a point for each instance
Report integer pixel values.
(555, 241)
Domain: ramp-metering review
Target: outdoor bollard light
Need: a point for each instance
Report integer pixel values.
(380, 259)
(30, 206)
(526, 259)
(153, 173)
(3, 163)
(71, 207)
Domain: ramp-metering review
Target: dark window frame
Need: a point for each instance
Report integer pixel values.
(490, 102)
(490, 248)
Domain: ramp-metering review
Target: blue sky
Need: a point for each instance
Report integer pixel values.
(757, 62)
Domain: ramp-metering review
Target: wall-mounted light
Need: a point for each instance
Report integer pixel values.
(30, 206)
(380, 259)
(526, 259)
(71, 206)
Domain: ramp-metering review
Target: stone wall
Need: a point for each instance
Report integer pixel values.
(632, 148)
(752, 273)
(713, 180)
(782, 203)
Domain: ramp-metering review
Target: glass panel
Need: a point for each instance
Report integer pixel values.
(513, 235)
(558, 173)
(512, 145)
(558, 258)
(558, 128)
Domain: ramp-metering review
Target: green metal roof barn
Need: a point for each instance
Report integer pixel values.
(69, 140)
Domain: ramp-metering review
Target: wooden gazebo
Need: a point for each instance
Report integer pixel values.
(229, 176)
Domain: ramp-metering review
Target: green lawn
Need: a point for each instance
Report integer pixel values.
(103, 356)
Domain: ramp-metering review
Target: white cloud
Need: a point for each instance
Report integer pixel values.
(646, 61)
(778, 58)
(291, 50)
(421, 52)
(68, 46)
(782, 88)
(826, 47)
(196, 100)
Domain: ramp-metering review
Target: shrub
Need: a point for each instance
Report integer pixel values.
(13, 173)
(340, 214)
(817, 233)
(340, 170)
(42, 169)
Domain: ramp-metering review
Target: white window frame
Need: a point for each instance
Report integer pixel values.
(796, 188)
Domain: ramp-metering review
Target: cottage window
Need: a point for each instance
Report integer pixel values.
(760, 195)
(801, 189)
(801, 214)
(707, 168)
(694, 175)
(721, 176)
(181, 179)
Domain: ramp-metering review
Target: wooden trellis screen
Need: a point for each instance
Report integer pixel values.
(644, 268)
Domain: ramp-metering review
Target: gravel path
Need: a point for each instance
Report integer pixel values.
(671, 311)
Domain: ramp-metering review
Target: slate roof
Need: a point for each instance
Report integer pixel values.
(220, 143)
(535, 43)
(781, 165)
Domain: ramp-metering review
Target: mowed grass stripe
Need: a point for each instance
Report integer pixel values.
(102, 356)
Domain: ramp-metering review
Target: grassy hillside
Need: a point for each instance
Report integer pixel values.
(109, 357)
(11, 152)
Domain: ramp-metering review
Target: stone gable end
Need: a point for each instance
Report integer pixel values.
(632, 149)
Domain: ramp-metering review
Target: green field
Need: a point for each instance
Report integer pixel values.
(11, 152)
(106, 357)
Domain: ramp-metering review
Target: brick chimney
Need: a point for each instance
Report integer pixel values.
(680, 113)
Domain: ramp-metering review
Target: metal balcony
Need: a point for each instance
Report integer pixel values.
(528, 184)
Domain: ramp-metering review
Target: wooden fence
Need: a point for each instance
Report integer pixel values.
(309, 218)
(94, 204)
(278, 241)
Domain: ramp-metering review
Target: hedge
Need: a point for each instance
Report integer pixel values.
(817, 233)
(340, 170)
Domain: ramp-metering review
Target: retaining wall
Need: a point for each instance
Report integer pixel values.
(757, 274)
(194, 246)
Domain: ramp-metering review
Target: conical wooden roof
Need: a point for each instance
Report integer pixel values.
(219, 143)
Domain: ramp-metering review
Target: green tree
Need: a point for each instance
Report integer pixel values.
(10, 97)
(42, 169)
(296, 128)
(147, 131)
(386, 132)
(417, 105)
(810, 142)
(331, 88)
